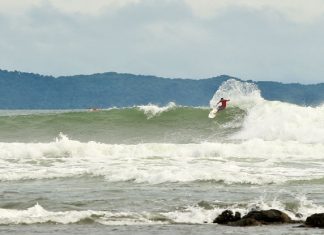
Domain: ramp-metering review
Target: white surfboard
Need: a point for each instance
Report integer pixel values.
(212, 113)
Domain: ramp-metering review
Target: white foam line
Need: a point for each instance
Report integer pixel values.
(188, 215)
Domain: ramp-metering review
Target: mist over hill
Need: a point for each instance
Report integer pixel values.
(19, 90)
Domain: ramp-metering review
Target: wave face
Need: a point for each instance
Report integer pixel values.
(150, 123)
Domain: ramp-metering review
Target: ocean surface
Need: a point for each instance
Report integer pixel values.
(160, 169)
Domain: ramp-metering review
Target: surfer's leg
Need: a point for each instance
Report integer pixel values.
(220, 108)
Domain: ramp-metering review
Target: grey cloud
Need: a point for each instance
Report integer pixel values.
(163, 38)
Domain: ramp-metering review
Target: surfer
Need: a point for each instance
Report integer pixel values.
(223, 104)
(213, 112)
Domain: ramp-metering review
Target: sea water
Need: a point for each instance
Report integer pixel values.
(160, 170)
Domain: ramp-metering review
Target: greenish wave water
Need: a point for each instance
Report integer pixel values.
(127, 125)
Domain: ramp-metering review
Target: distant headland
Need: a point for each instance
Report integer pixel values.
(20, 90)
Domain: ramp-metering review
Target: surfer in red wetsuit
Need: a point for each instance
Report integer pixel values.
(223, 104)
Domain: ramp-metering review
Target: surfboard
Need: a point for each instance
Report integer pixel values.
(212, 113)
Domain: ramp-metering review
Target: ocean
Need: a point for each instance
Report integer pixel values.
(160, 169)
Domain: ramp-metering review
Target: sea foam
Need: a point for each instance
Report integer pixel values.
(253, 161)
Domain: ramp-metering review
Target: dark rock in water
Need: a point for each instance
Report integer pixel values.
(254, 218)
(237, 215)
(226, 217)
(245, 222)
(315, 220)
(268, 216)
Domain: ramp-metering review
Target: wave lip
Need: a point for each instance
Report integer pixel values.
(152, 110)
(271, 120)
(241, 94)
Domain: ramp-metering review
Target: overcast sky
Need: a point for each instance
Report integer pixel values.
(278, 40)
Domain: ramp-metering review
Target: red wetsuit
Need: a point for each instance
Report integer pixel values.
(223, 102)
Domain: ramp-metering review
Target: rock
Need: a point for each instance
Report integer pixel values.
(226, 217)
(255, 218)
(237, 215)
(268, 216)
(315, 220)
(245, 222)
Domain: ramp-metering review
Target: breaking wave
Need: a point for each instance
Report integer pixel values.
(249, 162)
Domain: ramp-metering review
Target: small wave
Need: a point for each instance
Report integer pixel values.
(38, 215)
(152, 110)
(296, 206)
(203, 212)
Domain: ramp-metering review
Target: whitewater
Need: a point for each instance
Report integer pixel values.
(170, 167)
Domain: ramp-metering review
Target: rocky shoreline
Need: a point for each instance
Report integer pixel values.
(266, 217)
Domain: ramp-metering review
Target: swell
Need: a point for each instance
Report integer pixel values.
(127, 125)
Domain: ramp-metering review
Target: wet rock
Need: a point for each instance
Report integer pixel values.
(315, 220)
(245, 222)
(226, 217)
(268, 216)
(254, 218)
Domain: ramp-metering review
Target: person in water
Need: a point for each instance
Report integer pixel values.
(223, 104)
